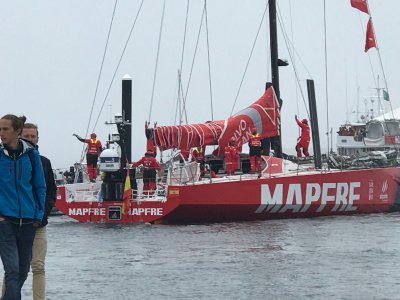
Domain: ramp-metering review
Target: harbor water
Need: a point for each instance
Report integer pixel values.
(352, 257)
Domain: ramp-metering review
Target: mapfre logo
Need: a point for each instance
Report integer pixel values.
(384, 196)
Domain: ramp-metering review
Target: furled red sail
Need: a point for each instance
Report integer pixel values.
(262, 114)
(370, 37)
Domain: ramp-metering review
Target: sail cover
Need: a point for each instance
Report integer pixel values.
(262, 114)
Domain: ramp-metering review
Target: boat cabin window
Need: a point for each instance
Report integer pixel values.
(392, 128)
(375, 130)
(345, 131)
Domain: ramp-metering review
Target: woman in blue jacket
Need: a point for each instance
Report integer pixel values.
(22, 197)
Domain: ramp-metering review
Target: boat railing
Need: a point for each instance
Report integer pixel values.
(82, 196)
(181, 173)
(158, 195)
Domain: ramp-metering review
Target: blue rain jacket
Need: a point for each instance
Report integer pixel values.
(22, 191)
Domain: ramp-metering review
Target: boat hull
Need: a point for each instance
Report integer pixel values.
(302, 195)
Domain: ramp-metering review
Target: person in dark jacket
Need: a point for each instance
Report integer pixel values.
(22, 197)
(30, 132)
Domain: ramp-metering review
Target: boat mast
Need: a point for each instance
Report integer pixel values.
(277, 141)
(127, 115)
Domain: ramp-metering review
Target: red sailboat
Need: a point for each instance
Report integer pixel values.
(283, 189)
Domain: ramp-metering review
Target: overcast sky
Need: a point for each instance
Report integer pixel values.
(51, 52)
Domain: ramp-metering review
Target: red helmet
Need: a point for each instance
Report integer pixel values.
(93, 135)
(304, 121)
(254, 130)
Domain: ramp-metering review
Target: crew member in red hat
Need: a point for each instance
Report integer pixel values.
(231, 157)
(93, 151)
(255, 151)
(304, 140)
(150, 166)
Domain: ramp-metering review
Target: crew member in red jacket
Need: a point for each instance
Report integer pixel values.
(150, 166)
(231, 157)
(93, 151)
(304, 140)
(255, 151)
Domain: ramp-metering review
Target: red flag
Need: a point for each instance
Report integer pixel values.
(127, 194)
(360, 4)
(370, 37)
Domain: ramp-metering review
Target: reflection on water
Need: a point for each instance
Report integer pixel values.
(323, 258)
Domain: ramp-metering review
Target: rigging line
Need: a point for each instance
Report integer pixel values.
(180, 70)
(184, 35)
(299, 58)
(326, 78)
(380, 59)
(98, 78)
(174, 110)
(287, 42)
(119, 62)
(368, 54)
(157, 57)
(292, 49)
(209, 63)
(383, 72)
(179, 99)
(177, 108)
(192, 66)
(248, 60)
(183, 108)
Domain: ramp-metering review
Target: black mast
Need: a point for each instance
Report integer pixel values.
(127, 115)
(276, 141)
(312, 102)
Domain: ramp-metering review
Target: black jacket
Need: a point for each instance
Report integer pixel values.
(51, 188)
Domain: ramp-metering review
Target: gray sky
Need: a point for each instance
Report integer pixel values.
(51, 52)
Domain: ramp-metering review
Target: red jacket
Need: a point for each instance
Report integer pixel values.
(94, 146)
(148, 162)
(305, 130)
(231, 153)
(255, 145)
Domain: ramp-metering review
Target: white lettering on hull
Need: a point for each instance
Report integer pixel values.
(341, 194)
(87, 211)
(146, 211)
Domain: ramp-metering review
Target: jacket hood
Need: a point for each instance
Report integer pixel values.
(26, 146)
